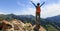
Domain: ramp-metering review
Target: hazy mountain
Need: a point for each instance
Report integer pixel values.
(23, 18)
(54, 19)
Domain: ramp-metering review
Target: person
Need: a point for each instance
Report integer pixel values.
(38, 10)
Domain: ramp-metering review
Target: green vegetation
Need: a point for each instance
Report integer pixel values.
(1, 19)
(50, 28)
(48, 25)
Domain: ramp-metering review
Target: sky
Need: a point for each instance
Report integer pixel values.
(25, 7)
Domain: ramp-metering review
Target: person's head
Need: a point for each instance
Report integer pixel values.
(38, 4)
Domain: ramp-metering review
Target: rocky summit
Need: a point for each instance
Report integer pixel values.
(17, 25)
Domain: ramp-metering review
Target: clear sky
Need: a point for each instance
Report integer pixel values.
(25, 7)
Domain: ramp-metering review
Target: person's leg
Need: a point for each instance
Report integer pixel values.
(37, 22)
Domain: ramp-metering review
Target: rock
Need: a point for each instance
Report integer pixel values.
(7, 26)
(17, 25)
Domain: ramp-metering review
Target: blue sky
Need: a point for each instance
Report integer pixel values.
(25, 7)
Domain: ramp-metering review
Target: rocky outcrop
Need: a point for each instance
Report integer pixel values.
(7, 26)
(17, 25)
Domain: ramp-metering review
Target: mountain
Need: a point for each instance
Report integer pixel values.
(54, 19)
(23, 18)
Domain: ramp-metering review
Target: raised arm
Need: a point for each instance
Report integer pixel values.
(33, 3)
(42, 4)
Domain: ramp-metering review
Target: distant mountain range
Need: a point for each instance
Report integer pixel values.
(15, 16)
(54, 19)
(28, 17)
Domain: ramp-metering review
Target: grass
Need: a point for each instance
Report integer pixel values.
(51, 28)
